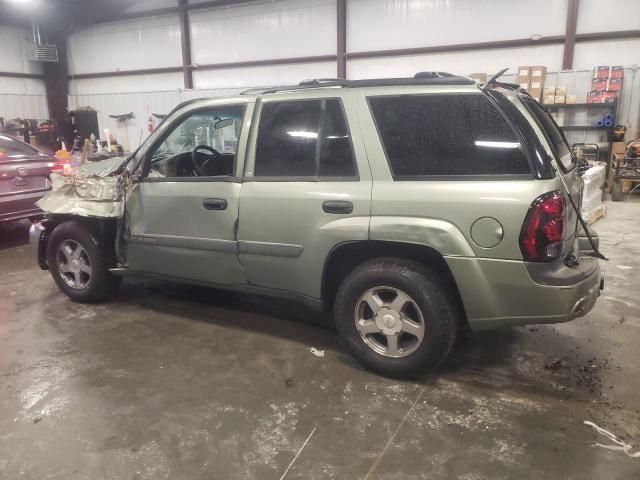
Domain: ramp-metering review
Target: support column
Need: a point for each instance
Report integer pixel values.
(185, 40)
(570, 34)
(342, 38)
(56, 85)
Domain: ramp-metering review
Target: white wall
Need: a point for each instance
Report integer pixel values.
(127, 45)
(274, 29)
(19, 97)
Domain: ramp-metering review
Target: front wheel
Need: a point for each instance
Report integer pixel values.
(78, 263)
(396, 317)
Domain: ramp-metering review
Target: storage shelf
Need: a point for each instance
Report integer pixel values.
(584, 127)
(581, 105)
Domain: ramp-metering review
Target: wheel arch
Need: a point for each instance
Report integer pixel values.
(104, 230)
(346, 256)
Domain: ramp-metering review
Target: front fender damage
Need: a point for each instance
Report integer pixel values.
(95, 190)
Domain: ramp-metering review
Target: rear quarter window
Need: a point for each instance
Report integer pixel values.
(11, 146)
(447, 135)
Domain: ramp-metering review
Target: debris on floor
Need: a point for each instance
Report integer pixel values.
(316, 352)
(619, 444)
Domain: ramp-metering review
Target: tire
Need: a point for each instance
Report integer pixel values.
(616, 192)
(381, 281)
(79, 264)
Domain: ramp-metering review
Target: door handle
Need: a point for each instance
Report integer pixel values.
(337, 206)
(214, 203)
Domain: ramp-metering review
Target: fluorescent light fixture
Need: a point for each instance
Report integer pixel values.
(488, 144)
(303, 134)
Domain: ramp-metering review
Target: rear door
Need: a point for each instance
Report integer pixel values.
(307, 188)
(24, 177)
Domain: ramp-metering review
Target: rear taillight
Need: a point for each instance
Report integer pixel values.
(56, 167)
(543, 229)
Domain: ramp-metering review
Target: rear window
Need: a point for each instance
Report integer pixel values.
(554, 134)
(11, 146)
(447, 135)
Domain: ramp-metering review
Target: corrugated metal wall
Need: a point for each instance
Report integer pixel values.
(20, 97)
(290, 28)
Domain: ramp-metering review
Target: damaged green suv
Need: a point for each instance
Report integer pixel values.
(411, 208)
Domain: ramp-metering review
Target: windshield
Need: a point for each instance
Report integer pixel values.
(553, 133)
(11, 146)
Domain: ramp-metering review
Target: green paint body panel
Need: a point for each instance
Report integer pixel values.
(275, 234)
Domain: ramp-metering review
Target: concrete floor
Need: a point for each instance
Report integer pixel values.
(182, 383)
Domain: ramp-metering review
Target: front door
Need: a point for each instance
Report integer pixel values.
(181, 216)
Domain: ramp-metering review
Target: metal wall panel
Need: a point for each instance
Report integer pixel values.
(23, 106)
(600, 16)
(260, 76)
(613, 52)
(392, 24)
(127, 45)
(127, 84)
(461, 63)
(12, 51)
(290, 28)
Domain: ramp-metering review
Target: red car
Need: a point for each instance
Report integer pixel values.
(24, 178)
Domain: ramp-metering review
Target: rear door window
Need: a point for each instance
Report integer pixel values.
(304, 138)
(553, 132)
(11, 146)
(447, 135)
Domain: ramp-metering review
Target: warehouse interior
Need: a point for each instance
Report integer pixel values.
(182, 380)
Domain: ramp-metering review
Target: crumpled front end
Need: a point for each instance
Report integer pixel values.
(93, 191)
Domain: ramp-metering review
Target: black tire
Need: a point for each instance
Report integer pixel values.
(425, 288)
(100, 285)
(616, 191)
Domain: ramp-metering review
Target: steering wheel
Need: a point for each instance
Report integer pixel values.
(194, 154)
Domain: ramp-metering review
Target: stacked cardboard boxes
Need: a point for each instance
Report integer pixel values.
(557, 95)
(531, 79)
(606, 84)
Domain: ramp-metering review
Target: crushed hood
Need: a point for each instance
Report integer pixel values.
(95, 190)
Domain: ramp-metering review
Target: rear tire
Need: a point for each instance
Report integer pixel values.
(392, 297)
(616, 191)
(78, 263)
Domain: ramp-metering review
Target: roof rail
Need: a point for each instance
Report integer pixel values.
(433, 75)
(422, 78)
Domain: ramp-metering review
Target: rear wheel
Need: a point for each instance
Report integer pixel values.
(78, 264)
(616, 191)
(396, 317)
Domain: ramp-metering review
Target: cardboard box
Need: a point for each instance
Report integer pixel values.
(594, 96)
(609, 97)
(523, 76)
(535, 93)
(570, 99)
(548, 99)
(538, 73)
(559, 99)
(616, 71)
(549, 91)
(614, 85)
(598, 84)
(535, 85)
(479, 77)
(524, 86)
(601, 71)
(561, 90)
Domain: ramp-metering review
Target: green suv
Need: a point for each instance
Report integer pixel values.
(411, 208)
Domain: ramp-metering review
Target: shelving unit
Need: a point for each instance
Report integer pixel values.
(588, 107)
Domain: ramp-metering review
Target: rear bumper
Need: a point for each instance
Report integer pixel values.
(499, 293)
(15, 207)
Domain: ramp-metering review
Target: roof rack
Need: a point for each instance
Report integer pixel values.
(420, 78)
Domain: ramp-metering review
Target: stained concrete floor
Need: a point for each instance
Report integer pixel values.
(184, 383)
